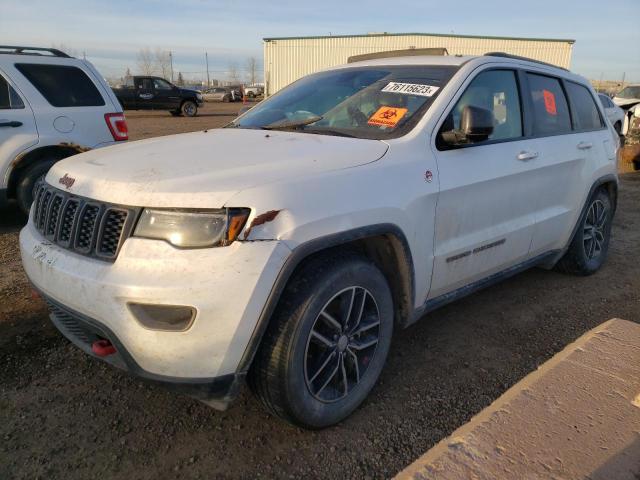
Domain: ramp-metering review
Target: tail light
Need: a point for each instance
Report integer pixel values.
(117, 126)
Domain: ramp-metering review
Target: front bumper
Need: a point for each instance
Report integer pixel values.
(228, 287)
(83, 331)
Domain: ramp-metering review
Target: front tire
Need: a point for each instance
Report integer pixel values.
(590, 245)
(28, 180)
(327, 342)
(189, 109)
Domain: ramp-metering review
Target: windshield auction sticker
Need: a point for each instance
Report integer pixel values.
(411, 89)
(387, 116)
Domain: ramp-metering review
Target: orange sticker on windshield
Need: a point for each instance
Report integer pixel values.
(387, 116)
(549, 102)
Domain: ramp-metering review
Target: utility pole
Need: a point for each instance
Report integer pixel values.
(624, 74)
(171, 62)
(206, 58)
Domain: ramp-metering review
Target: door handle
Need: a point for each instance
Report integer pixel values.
(585, 145)
(525, 156)
(12, 124)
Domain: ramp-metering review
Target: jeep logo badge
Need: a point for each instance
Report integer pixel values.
(67, 181)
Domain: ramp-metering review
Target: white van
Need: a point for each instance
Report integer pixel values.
(289, 246)
(52, 106)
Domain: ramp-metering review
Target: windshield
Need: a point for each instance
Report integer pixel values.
(365, 102)
(630, 92)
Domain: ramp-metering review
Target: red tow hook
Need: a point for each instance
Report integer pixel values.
(103, 348)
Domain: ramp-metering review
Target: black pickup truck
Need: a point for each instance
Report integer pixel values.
(155, 93)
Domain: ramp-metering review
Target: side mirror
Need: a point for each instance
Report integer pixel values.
(476, 125)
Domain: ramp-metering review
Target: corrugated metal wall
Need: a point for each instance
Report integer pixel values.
(288, 59)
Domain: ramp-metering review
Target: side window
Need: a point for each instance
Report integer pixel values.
(62, 85)
(146, 84)
(606, 103)
(9, 98)
(550, 109)
(585, 110)
(161, 84)
(497, 92)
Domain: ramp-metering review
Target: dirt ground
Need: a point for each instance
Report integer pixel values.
(66, 415)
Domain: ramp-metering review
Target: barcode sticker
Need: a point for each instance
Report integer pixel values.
(411, 89)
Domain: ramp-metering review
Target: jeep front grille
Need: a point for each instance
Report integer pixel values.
(87, 227)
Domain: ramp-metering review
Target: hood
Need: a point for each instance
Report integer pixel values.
(204, 169)
(625, 102)
(188, 90)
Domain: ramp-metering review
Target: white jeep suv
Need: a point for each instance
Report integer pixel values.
(287, 247)
(52, 106)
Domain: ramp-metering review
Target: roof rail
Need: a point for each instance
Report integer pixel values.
(16, 50)
(398, 53)
(517, 57)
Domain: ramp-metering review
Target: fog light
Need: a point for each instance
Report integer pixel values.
(170, 318)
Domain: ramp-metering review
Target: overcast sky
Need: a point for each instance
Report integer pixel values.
(112, 32)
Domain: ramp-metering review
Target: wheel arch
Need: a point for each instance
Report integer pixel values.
(608, 182)
(26, 160)
(384, 244)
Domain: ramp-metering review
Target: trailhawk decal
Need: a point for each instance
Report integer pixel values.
(479, 249)
(411, 89)
(387, 116)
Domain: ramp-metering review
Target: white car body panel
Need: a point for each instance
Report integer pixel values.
(614, 113)
(81, 128)
(228, 300)
(444, 202)
(156, 171)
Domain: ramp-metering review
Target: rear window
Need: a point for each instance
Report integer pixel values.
(606, 102)
(550, 109)
(585, 110)
(62, 85)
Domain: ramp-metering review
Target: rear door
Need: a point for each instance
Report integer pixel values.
(17, 126)
(485, 212)
(567, 152)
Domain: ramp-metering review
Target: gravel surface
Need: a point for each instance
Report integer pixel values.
(66, 415)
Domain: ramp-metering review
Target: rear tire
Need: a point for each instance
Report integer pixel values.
(313, 370)
(28, 180)
(189, 109)
(590, 245)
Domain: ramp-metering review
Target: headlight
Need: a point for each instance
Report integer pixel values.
(199, 96)
(192, 229)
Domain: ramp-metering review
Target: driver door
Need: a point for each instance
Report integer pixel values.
(486, 207)
(166, 95)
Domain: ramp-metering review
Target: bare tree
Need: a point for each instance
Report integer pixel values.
(233, 72)
(252, 70)
(180, 79)
(145, 62)
(163, 63)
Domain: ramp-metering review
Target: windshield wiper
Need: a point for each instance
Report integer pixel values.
(329, 131)
(285, 124)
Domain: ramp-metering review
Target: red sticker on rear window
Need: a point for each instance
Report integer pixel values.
(549, 102)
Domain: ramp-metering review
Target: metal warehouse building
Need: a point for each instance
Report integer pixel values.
(289, 58)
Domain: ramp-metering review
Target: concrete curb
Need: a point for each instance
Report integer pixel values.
(576, 416)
